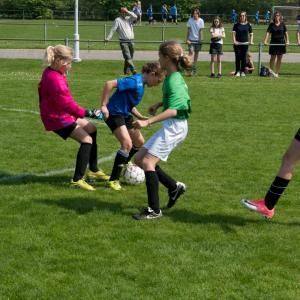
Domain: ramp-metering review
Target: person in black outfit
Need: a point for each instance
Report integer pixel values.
(279, 35)
(241, 32)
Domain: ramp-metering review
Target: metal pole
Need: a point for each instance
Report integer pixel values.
(260, 46)
(105, 33)
(45, 32)
(76, 35)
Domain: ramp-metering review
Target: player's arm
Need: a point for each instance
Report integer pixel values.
(251, 38)
(298, 37)
(201, 34)
(112, 30)
(167, 114)
(108, 87)
(137, 114)
(266, 38)
(132, 15)
(234, 38)
(286, 37)
(187, 35)
(153, 108)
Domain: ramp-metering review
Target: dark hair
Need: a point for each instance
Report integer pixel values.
(195, 10)
(220, 22)
(174, 51)
(277, 13)
(240, 15)
(153, 67)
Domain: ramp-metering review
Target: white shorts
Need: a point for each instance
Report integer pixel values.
(161, 144)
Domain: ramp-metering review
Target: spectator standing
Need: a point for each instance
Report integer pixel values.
(194, 37)
(279, 37)
(267, 17)
(233, 16)
(137, 10)
(164, 13)
(217, 34)
(123, 25)
(173, 11)
(257, 18)
(241, 33)
(150, 14)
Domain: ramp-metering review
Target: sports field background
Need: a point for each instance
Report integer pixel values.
(92, 32)
(71, 244)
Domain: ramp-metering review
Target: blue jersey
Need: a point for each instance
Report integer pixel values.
(173, 10)
(129, 93)
(150, 12)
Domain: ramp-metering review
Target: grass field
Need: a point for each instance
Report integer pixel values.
(58, 243)
(58, 29)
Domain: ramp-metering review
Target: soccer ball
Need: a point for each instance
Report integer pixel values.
(134, 175)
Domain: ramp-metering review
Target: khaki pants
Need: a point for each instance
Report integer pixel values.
(127, 51)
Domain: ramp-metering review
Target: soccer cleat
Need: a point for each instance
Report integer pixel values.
(99, 175)
(81, 184)
(194, 71)
(147, 214)
(175, 194)
(114, 185)
(259, 207)
(219, 75)
(212, 75)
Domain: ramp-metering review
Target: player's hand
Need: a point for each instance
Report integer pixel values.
(188, 42)
(124, 10)
(143, 118)
(287, 43)
(93, 113)
(138, 124)
(105, 112)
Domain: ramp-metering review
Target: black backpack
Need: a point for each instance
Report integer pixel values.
(264, 71)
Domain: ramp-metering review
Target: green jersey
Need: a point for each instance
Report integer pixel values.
(176, 96)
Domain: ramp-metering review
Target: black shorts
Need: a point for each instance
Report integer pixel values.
(297, 136)
(66, 131)
(115, 121)
(216, 48)
(277, 50)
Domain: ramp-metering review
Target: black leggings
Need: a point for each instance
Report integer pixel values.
(240, 57)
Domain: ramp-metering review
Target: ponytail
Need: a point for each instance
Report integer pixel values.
(60, 52)
(185, 62)
(49, 56)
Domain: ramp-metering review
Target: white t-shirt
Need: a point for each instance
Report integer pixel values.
(195, 26)
(218, 31)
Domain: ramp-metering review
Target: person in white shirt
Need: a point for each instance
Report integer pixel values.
(217, 33)
(123, 25)
(194, 37)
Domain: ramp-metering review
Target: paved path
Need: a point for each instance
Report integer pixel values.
(138, 55)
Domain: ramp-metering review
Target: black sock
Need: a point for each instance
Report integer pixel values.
(120, 160)
(93, 162)
(131, 153)
(83, 156)
(275, 191)
(152, 190)
(165, 179)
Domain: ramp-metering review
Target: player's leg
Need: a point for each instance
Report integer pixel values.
(94, 173)
(237, 53)
(137, 142)
(272, 61)
(83, 156)
(126, 56)
(219, 62)
(290, 159)
(148, 162)
(130, 61)
(244, 50)
(278, 64)
(212, 65)
(196, 54)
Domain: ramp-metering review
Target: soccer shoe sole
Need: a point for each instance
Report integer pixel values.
(253, 208)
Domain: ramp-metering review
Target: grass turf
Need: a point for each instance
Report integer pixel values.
(71, 244)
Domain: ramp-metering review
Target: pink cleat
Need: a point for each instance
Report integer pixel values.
(259, 207)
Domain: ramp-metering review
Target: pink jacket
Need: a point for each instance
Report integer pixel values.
(58, 109)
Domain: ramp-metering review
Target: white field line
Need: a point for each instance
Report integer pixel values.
(50, 173)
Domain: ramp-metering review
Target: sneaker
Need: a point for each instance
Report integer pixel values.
(194, 71)
(237, 74)
(212, 75)
(175, 194)
(147, 214)
(259, 207)
(99, 175)
(219, 75)
(243, 74)
(114, 185)
(81, 184)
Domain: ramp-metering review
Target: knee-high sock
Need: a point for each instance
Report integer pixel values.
(119, 162)
(133, 151)
(83, 156)
(275, 191)
(165, 179)
(93, 162)
(152, 184)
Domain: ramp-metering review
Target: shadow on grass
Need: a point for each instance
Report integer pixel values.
(84, 205)
(224, 221)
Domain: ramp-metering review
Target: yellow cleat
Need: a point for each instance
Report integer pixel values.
(81, 184)
(99, 175)
(115, 185)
